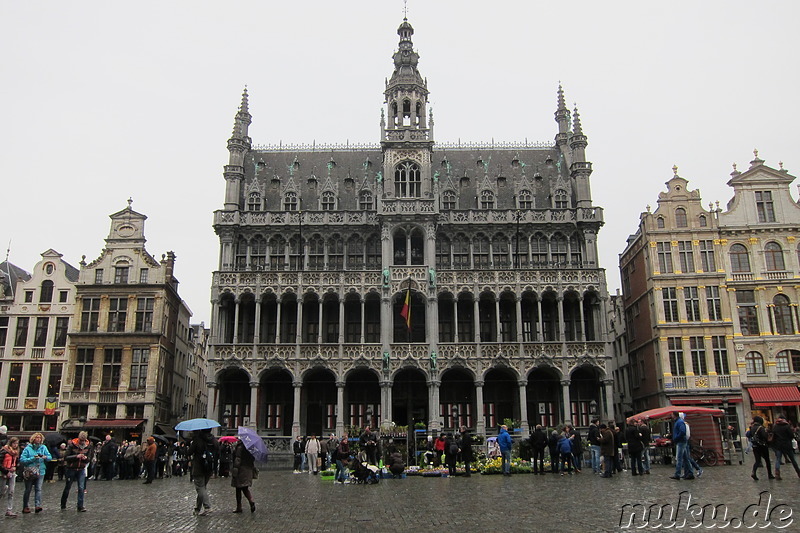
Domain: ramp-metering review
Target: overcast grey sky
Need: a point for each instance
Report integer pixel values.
(100, 101)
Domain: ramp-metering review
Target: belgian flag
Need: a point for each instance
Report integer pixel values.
(405, 312)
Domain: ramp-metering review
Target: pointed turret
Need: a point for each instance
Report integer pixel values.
(580, 169)
(238, 146)
(562, 118)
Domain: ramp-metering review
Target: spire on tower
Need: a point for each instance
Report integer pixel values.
(576, 122)
(562, 117)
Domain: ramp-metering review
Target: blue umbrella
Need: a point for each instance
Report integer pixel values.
(196, 423)
(254, 444)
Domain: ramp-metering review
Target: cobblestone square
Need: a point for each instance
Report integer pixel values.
(301, 502)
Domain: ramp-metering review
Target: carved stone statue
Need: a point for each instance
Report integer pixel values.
(385, 278)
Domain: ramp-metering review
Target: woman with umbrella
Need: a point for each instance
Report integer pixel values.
(243, 470)
(203, 450)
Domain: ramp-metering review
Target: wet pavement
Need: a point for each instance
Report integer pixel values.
(522, 502)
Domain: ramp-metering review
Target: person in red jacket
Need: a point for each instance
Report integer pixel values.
(79, 454)
(8, 469)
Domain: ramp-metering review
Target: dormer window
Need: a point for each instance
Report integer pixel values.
(290, 201)
(254, 201)
(560, 199)
(365, 201)
(487, 200)
(703, 222)
(764, 207)
(525, 199)
(328, 202)
(680, 218)
(660, 222)
(448, 200)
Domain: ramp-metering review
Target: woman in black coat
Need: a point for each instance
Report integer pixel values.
(465, 443)
(635, 447)
(552, 444)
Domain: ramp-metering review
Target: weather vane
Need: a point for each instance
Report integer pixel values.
(405, 9)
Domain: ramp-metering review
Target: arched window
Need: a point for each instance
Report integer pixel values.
(442, 252)
(407, 181)
(782, 311)
(558, 250)
(373, 252)
(773, 255)
(783, 362)
(680, 218)
(539, 247)
(660, 222)
(740, 260)
(335, 253)
(575, 255)
(487, 200)
(500, 251)
(254, 201)
(560, 200)
(355, 253)
(241, 253)
(480, 252)
(277, 253)
(525, 199)
(461, 252)
(316, 253)
(290, 201)
(754, 363)
(328, 202)
(258, 253)
(365, 201)
(448, 200)
(46, 293)
(703, 222)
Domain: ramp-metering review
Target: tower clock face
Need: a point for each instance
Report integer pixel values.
(126, 230)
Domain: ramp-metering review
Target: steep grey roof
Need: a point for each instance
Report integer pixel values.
(465, 170)
(70, 272)
(9, 269)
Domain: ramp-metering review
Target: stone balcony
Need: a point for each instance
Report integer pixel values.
(702, 382)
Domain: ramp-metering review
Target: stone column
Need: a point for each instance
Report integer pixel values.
(340, 414)
(518, 302)
(566, 403)
(476, 319)
(455, 318)
(540, 334)
(319, 321)
(386, 402)
(257, 332)
(608, 404)
(583, 320)
(212, 400)
(254, 389)
(236, 322)
(560, 304)
(341, 321)
(433, 405)
(362, 307)
(215, 322)
(298, 388)
(498, 337)
(278, 305)
(480, 421)
(299, 333)
(523, 407)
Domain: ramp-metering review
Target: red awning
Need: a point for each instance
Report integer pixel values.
(113, 423)
(774, 396)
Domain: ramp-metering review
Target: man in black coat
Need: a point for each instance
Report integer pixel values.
(552, 444)
(782, 436)
(108, 457)
(538, 444)
(635, 447)
(647, 436)
(465, 444)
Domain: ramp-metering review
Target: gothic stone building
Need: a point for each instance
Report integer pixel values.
(492, 247)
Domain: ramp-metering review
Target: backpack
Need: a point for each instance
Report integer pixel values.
(208, 458)
(453, 448)
(3, 453)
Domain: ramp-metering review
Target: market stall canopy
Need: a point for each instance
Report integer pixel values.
(666, 412)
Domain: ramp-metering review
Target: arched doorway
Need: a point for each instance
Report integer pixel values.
(409, 397)
(457, 399)
(276, 402)
(500, 397)
(544, 397)
(234, 398)
(319, 401)
(362, 399)
(584, 395)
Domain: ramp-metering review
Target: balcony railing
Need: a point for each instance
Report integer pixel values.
(748, 276)
(705, 382)
(773, 275)
(11, 403)
(37, 353)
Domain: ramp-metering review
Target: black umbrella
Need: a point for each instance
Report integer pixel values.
(53, 439)
(162, 438)
(95, 439)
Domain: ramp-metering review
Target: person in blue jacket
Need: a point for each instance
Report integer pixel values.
(565, 447)
(504, 440)
(680, 437)
(36, 455)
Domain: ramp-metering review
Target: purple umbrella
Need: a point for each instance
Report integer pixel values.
(254, 444)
